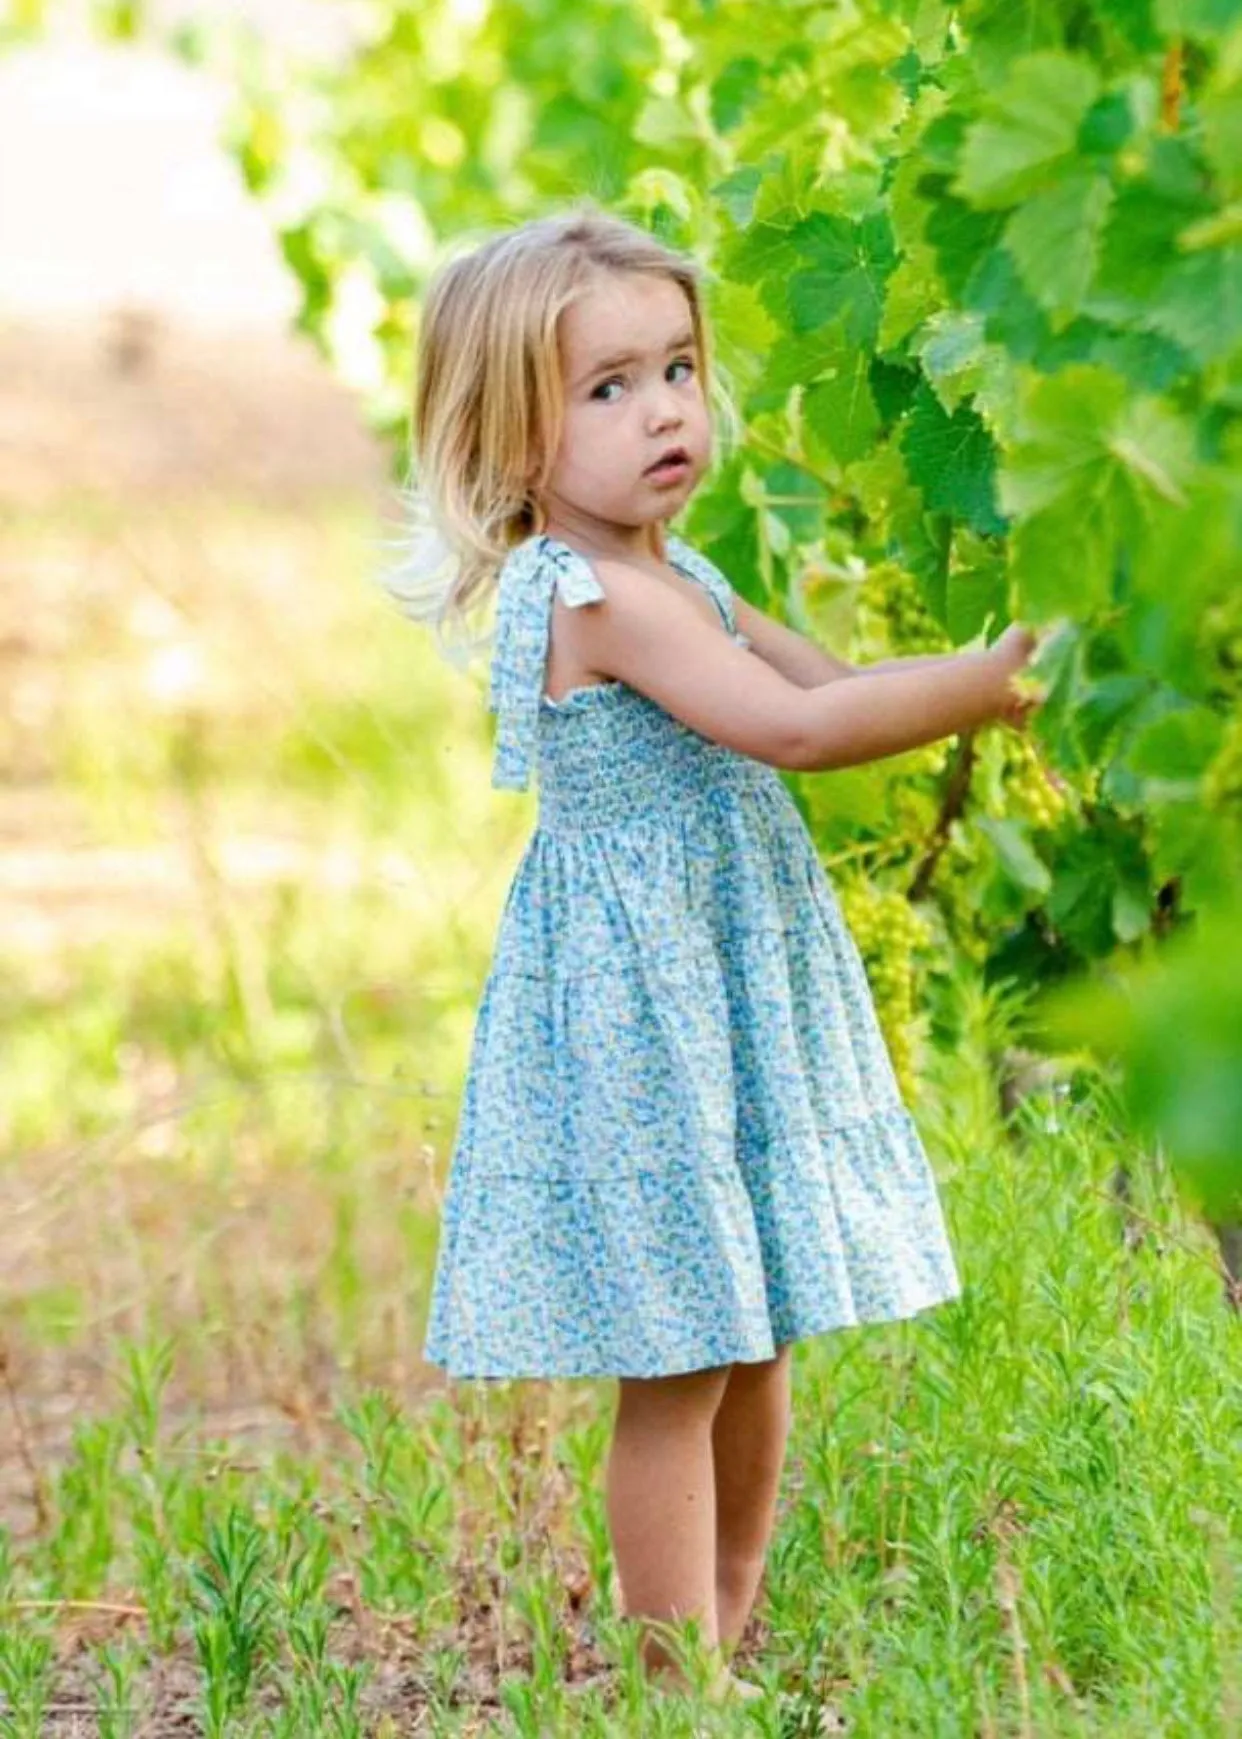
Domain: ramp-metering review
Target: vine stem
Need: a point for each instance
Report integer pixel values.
(832, 484)
(1171, 86)
(878, 853)
(953, 802)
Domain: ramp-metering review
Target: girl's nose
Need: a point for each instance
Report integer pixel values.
(664, 409)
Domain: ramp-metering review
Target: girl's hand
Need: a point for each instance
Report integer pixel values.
(1020, 695)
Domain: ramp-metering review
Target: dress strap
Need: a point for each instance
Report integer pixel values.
(530, 576)
(696, 566)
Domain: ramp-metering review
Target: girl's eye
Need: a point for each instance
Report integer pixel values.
(616, 380)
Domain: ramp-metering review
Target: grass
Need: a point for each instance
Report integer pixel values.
(232, 1498)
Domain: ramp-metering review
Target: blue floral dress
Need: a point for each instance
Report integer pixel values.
(681, 1142)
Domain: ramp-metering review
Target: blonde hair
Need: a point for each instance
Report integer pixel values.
(487, 412)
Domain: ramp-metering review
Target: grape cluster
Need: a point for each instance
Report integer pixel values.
(1031, 794)
(891, 610)
(929, 760)
(887, 931)
(1010, 779)
(911, 792)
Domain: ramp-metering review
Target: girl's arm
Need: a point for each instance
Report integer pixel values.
(658, 642)
(800, 660)
(907, 663)
(797, 659)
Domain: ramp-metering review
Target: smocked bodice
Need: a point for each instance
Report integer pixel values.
(606, 753)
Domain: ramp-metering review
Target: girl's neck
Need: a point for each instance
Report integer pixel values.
(595, 538)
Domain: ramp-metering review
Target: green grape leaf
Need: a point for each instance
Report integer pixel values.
(975, 589)
(846, 802)
(797, 499)
(893, 386)
(1205, 19)
(1027, 126)
(1086, 875)
(960, 236)
(1061, 439)
(953, 461)
(910, 296)
(1079, 476)
(1131, 911)
(1199, 304)
(1134, 20)
(1060, 665)
(1220, 116)
(736, 193)
(1199, 544)
(849, 263)
(1105, 706)
(667, 124)
(1171, 753)
(1173, 1022)
(1138, 244)
(1017, 856)
(762, 250)
(1201, 847)
(1013, 319)
(723, 525)
(1060, 562)
(1054, 240)
(949, 347)
(734, 91)
(840, 414)
(798, 358)
(1107, 124)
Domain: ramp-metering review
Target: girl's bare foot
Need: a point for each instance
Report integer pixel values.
(726, 1687)
(729, 1688)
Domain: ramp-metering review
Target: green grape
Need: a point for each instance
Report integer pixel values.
(1033, 796)
(913, 810)
(893, 616)
(1011, 780)
(888, 931)
(913, 799)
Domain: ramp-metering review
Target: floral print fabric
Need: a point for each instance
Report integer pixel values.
(681, 1141)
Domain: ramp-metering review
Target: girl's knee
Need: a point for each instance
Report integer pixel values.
(762, 1373)
(689, 1392)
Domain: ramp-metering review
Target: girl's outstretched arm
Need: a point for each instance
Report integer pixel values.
(654, 639)
(799, 660)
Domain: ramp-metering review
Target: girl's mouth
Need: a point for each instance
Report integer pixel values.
(671, 467)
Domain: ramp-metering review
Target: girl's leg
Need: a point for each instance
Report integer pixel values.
(749, 1435)
(661, 1502)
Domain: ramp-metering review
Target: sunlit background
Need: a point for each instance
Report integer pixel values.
(243, 805)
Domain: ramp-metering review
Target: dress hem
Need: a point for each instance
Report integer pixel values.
(859, 1319)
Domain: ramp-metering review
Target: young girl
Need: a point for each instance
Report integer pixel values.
(682, 1146)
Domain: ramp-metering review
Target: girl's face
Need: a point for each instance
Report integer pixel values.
(631, 394)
